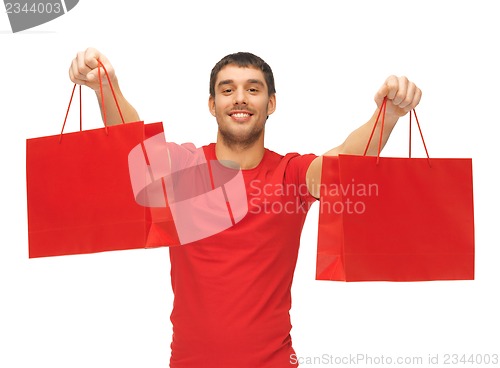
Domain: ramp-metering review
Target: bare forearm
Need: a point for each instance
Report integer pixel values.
(356, 142)
(112, 113)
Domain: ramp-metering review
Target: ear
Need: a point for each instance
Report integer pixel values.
(271, 105)
(211, 105)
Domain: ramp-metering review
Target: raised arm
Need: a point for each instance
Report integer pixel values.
(402, 96)
(83, 71)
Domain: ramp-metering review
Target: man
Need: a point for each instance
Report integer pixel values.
(232, 290)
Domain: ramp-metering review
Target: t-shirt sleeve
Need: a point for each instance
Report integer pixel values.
(296, 173)
(183, 156)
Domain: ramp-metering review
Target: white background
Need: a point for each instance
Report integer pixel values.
(329, 58)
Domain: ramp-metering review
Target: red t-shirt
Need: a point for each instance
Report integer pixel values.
(232, 290)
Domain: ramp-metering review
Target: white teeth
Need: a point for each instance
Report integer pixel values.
(241, 115)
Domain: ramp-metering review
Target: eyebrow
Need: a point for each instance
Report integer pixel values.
(249, 81)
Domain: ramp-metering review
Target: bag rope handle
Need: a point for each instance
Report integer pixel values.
(104, 117)
(382, 112)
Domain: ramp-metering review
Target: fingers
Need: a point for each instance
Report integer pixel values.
(403, 94)
(82, 65)
(78, 70)
(84, 68)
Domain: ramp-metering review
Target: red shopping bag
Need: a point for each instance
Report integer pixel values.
(79, 195)
(395, 219)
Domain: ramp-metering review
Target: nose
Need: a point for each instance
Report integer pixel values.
(239, 97)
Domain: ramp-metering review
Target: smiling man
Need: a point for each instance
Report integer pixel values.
(232, 290)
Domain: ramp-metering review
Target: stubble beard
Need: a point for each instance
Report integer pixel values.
(240, 141)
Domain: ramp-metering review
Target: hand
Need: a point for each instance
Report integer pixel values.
(83, 69)
(402, 95)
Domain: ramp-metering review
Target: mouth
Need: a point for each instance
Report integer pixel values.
(240, 115)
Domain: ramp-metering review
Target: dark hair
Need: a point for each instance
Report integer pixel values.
(244, 60)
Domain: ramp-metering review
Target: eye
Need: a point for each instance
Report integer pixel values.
(253, 90)
(227, 90)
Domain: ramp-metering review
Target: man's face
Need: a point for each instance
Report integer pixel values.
(241, 105)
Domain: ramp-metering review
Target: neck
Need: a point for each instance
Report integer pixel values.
(247, 157)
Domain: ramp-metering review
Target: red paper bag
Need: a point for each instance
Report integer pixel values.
(79, 195)
(395, 219)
